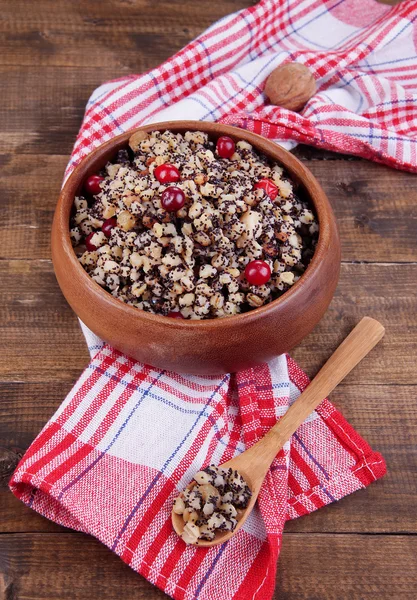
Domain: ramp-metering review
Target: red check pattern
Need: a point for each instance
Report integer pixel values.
(110, 462)
(361, 53)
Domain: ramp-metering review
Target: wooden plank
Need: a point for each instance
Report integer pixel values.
(28, 236)
(385, 292)
(52, 56)
(42, 340)
(374, 205)
(310, 566)
(61, 53)
(375, 209)
(383, 414)
(346, 567)
(67, 566)
(39, 332)
(47, 119)
(127, 36)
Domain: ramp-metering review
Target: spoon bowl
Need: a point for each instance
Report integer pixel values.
(254, 484)
(254, 463)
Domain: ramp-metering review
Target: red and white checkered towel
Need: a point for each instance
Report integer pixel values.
(361, 53)
(128, 437)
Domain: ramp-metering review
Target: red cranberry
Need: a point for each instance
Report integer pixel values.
(108, 226)
(175, 315)
(225, 146)
(257, 272)
(92, 185)
(172, 199)
(90, 246)
(167, 173)
(269, 187)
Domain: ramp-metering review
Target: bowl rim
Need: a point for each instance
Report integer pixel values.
(270, 148)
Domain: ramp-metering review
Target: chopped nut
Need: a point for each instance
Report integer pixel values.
(179, 506)
(126, 220)
(282, 236)
(138, 289)
(136, 139)
(254, 300)
(193, 261)
(191, 533)
(187, 299)
(202, 238)
(287, 277)
(200, 179)
(217, 300)
(216, 503)
(207, 271)
(195, 210)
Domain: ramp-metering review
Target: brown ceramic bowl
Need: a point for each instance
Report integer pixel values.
(210, 346)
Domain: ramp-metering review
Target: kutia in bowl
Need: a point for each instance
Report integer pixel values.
(199, 221)
(193, 227)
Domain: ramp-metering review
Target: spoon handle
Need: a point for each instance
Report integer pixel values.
(351, 351)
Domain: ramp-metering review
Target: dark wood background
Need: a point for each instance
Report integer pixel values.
(52, 55)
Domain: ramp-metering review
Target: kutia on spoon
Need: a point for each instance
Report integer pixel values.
(241, 477)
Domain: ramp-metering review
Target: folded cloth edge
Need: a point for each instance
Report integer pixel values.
(369, 466)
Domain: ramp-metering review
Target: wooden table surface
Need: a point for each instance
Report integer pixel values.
(53, 54)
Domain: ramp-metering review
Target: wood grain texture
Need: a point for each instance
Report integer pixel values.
(35, 315)
(375, 206)
(342, 567)
(52, 55)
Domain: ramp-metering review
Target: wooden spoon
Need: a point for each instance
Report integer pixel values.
(254, 463)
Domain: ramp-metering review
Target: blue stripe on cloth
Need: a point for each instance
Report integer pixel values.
(398, 101)
(93, 101)
(369, 66)
(348, 83)
(297, 31)
(351, 80)
(278, 468)
(248, 83)
(165, 465)
(328, 494)
(132, 386)
(371, 132)
(32, 497)
(410, 22)
(306, 39)
(95, 461)
(200, 102)
(387, 62)
(322, 469)
(207, 53)
(209, 571)
(158, 89)
(95, 347)
(329, 100)
(315, 112)
(360, 104)
(275, 386)
(110, 115)
(209, 113)
(250, 37)
(385, 137)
